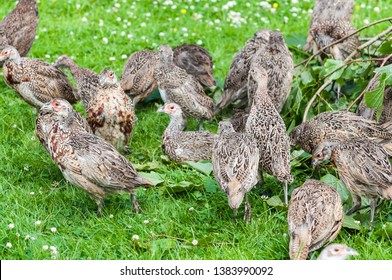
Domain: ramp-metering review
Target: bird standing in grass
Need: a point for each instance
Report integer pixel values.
(335, 252)
(315, 217)
(267, 127)
(137, 79)
(36, 81)
(235, 161)
(177, 86)
(363, 167)
(111, 114)
(18, 28)
(86, 160)
(87, 81)
(182, 146)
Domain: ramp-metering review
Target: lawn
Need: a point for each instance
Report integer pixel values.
(185, 216)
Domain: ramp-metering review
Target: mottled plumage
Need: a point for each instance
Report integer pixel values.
(363, 167)
(45, 120)
(111, 114)
(236, 82)
(36, 81)
(87, 161)
(87, 81)
(276, 59)
(269, 130)
(335, 252)
(196, 61)
(315, 217)
(18, 28)
(177, 86)
(239, 119)
(182, 146)
(338, 126)
(235, 161)
(138, 79)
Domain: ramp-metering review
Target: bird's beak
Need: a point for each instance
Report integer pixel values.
(161, 109)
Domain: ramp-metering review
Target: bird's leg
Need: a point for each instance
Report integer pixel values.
(356, 204)
(135, 204)
(373, 204)
(235, 214)
(286, 202)
(99, 202)
(248, 210)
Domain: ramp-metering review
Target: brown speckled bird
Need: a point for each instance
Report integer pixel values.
(239, 119)
(18, 28)
(36, 81)
(269, 130)
(111, 114)
(87, 161)
(335, 126)
(45, 121)
(87, 81)
(235, 161)
(196, 61)
(182, 146)
(138, 79)
(335, 252)
(363, 167)
(236, 82)
(315, 217)
(276, 59)
(177, 86)
(325, 9)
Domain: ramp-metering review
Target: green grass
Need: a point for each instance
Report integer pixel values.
(187, 206)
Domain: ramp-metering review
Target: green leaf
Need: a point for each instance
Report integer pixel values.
(147, 166)
(350, 222)
(335, 66)
(374, 99)
(154, 177)
(275, 201)
(306, 78)
(387, 70)
(386, 48)
(201, 166)
(159, 246)
(210, 185)
(183, 186)
(337, 184)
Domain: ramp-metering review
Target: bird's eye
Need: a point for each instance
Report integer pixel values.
(171, 107)
(336, 250)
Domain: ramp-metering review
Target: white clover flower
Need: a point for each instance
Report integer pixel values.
(71, 33)
(147, 14)
(199, 42)
(101, 23)
(17, 234)
(32, 238)
(112, 58)
(38, 223)
(366, 21)
(45, 247)
(174, 7)
(111, 216)
(195, 242)
(11, 226)
(117, 5)
(294, 1)
(357, 222)
(161, 34)
(197, 16)
(217, 21)
(105, 40)
(143, 24)
(36, 37)
(265, 5)
(53, 229)
(191, 209)
(77, 6)
(8, 245)
(124, 56)
(53, 248)
(26, 168)
(130, 36)
(27, 237)
(15, 126)
(122, 33)
(146, 222)
(376, 9)
(118, 19)
(84, 19)
(285, 19)
(32, 193)
(135, 237)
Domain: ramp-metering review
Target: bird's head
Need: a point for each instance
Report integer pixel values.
(9, 53)
(225, 126)
(337, 252)
(59, 108)
(322, 152)
(107, 78)
(172, 109)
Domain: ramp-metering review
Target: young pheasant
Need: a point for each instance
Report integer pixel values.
(36, 81)
(235, 161)
(276, 59)
(196, 61)
(45, 121)
(111, 114)
(335, 252)
(269, 130)
(335, 126)
(236, 82)
(18, 28)
(86, 160)
(315, 217)
(182, 146)
(137, 79)
(363, 167)
(177, 86)
(86, 80)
